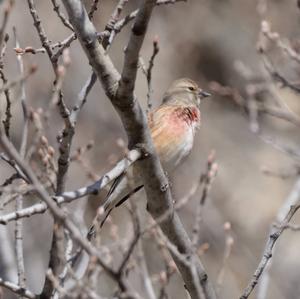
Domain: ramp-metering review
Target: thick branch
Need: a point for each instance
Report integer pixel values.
(121, 94)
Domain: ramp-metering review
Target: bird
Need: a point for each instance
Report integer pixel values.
(172, 126)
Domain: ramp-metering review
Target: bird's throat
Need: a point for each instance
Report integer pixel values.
(191, 115)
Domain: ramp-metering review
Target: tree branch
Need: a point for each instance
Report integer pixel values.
(121, 94)
(17, 289)
(69, 196)
(291, 200)
(285, 216)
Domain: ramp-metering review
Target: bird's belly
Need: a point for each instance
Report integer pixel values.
(176, 150)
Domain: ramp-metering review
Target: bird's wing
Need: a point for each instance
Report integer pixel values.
(123, 187)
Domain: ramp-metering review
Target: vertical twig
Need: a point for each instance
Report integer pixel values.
(206, 180)
(7, 10)
(145, 276)
(23, 100)
(7, 257)
(64, 147)
(110, 27)
(93, 9)
(149, 72)
(8, 115)
(19, 199)
(19, 245)
(229, 241)
(3, 42)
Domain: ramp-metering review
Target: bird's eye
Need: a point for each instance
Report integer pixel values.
(191, 88)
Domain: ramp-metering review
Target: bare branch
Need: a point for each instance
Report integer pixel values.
(228, 249)
(19, 199)
(134, 120)
(17, 289)
(4, 37)
(56, 211)
(19, 245)
(41, 32)
(275, 37)
(291, 200)
(63, 19)
(109, 28)
(93, 8)
(286, 215)
(206, 180)
(15, 166)
(7, 11)
(69, 196)
(63, 45)
(148, 72)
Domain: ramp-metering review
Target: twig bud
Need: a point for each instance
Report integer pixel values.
(51, 151)
(44, 140)
(33, 68)
(227, 226)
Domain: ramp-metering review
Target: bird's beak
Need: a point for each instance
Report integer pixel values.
(204, 94)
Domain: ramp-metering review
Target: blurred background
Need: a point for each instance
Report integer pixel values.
(208, 41)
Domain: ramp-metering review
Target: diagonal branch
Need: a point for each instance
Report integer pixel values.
(284, 216)
(121, 94)
(286, 212)
(58, 213)
(69, 196)
(17, 289)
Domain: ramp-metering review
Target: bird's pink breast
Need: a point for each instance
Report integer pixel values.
(173, 131)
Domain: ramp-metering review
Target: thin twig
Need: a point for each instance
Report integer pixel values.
(19, 245)
(65, 141)
(3, 43)
(7, 11)
(40, 29)
(206, 180)
(14, 166)
(17, 289)
(94, 7)
(275, 37)
(271, 110)
(229, 242)
(62, 17)
(110, 26)
(58, 213)
(291, 200)
(69, 196)
(82, 96)
(149, 72)
(19, 199)
(145, 276)
(273, 237)
(66, 43)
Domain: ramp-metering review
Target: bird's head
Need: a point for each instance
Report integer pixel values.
(184, 91)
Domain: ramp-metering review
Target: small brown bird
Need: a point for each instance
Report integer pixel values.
(173, 126)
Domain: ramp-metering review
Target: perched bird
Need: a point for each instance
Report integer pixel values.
(173, 126)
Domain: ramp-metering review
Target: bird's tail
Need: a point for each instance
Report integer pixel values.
(118, 193)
